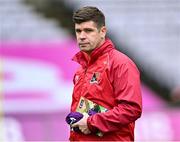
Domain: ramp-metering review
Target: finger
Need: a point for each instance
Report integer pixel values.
(81, 129)
(75, 124)
(86, 131)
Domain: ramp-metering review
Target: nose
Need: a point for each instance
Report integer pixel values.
(82, 35)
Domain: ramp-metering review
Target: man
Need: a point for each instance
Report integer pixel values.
(106, 77)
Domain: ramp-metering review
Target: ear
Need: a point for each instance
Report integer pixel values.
(103, 31)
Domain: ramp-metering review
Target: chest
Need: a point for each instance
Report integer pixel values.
(94, 83)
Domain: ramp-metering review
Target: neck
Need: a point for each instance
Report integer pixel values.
(100, 43)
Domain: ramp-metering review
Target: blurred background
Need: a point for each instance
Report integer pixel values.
(37, 43)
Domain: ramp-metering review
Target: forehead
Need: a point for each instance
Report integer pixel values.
(87, 24)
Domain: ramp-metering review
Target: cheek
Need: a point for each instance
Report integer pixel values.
(95, 41)
(95, 38)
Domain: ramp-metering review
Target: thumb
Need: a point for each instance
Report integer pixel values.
(75, 124)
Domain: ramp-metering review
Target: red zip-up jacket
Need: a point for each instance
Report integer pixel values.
(117, 89)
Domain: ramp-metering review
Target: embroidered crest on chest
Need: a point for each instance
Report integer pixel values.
(95, 78)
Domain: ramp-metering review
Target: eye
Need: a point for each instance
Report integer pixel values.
(78, 30)
(88, 30)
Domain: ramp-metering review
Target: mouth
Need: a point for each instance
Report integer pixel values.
(83, 44)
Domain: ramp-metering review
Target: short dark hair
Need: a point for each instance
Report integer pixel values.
(89, 13)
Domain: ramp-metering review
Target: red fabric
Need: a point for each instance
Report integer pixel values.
(117, 89)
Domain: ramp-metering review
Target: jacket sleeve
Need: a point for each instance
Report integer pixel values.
(126, 84)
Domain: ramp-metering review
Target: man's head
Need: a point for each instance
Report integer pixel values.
(89, 27)
(89, 13)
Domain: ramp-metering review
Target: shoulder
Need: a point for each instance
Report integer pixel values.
(119, 59)
(79, 70)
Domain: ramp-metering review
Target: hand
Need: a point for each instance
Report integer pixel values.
(82, 124)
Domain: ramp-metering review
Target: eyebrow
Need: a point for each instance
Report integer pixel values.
(78, 30)
(85, 29)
